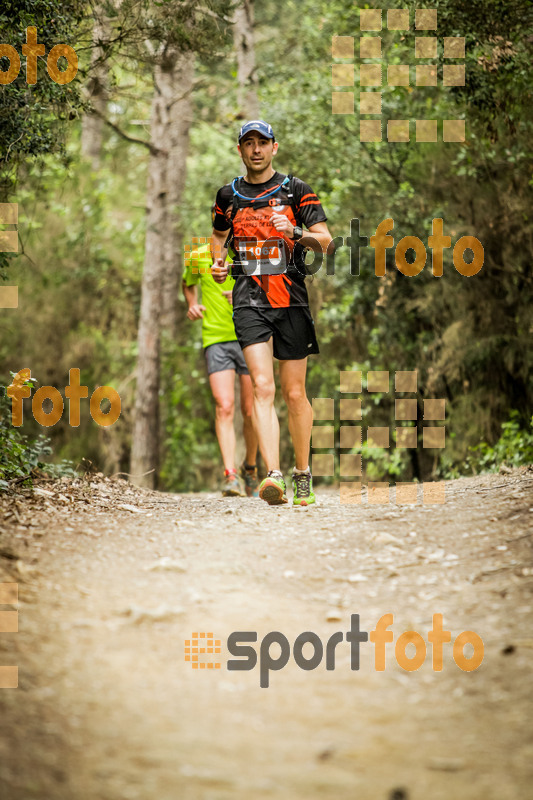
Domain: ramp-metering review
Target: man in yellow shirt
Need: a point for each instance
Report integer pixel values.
(224, 358)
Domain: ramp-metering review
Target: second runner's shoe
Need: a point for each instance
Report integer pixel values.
(232, 485)
(250, 480)
(273, 489)
(302, 483)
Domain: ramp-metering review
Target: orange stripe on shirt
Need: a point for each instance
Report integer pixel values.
(262, 193)
(312, 194)
(275, 288)
(310, 203)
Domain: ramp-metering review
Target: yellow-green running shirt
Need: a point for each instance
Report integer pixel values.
(217, 322)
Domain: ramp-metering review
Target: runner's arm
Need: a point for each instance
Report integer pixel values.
(317, 238)
(191, 296)
(318, 241)
(219, 252)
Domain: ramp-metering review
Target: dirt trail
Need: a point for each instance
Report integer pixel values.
(107, 708)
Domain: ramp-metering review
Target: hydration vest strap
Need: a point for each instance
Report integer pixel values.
(236, 185)
(292, 201)
(235, 205)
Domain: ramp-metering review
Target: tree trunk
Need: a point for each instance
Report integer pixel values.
(92, 131)
(179, 112)
(170, 123)
(243, 37)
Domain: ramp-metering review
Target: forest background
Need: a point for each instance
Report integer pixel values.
(115, 172)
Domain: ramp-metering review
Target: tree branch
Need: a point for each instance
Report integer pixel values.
(214, 15)
(380, 165)
(198, 82)
(155, 151)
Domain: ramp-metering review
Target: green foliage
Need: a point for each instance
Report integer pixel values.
(192, 458)
(20, 455)
(469, 338)
(83, 233)
(79, 289)
(514, 448)
(34, 118)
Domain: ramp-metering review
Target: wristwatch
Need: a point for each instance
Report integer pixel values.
(297, 232)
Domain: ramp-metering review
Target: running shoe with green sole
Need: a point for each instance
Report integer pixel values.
(250, 480)
(273, 489)
(302, 483)
(232, 485)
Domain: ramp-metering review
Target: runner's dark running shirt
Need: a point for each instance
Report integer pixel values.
(274, 291)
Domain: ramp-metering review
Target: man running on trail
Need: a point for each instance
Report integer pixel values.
(261, 215)
(224, 358)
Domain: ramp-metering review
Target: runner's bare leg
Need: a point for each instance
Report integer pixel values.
(223, 388)
(260, 362)
(292, 376)
(247, 406)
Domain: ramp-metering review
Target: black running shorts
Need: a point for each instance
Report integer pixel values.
(292, 330)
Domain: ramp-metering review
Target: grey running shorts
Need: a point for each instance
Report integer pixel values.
(225, 355)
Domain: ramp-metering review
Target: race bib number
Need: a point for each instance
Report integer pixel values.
(262, 257)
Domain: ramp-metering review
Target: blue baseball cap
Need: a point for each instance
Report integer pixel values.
(257, 125)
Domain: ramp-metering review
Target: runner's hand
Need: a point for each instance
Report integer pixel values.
(229, 297)
(283, 224)
(196, 312)
(219, 270)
